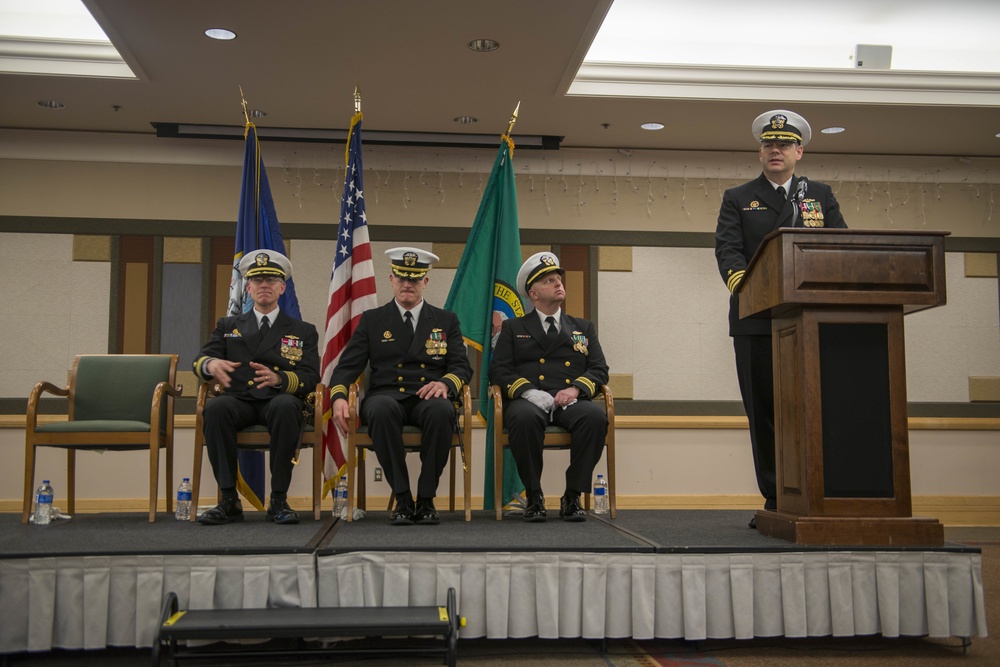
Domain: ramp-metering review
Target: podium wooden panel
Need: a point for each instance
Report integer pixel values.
(836, 298)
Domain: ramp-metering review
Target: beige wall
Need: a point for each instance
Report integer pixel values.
(126, 176)
(663, 322)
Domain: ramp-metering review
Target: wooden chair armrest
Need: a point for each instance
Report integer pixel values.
(318, 407)
(31, 417)
(497, 404)
(466, 408)
(352, 404)
(609, 403)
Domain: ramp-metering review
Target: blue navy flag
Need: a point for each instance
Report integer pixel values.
(256, 229)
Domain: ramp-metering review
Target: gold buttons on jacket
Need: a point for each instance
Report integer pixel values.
(423, 365)
(399, 379)
(541, 377)
(567, 363)
(402, 389)
(542, 360)
(399, 365)
(567, 380)
(423, 379)
(249, 383)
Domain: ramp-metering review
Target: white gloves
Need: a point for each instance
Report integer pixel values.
(540, 398)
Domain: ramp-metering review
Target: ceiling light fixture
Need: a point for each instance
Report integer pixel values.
(484, 45)
(465, 120)
(220, 33)
(652, 126)
(832, 130)
(50, 104)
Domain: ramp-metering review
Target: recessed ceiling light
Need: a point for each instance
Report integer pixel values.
(256, 113)
(466, 120)
(50, 104)
(220, 33)
(652, 126)
(832, 130)
(484, 45)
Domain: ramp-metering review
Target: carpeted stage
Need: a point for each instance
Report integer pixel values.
(99, 580)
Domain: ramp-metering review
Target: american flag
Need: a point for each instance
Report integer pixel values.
(352, 291)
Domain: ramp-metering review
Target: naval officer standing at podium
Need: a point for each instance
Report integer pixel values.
(749, 212)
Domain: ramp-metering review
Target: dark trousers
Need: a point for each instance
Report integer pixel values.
(526, 422)
(386, 416)
(226, 415)
(756, 376)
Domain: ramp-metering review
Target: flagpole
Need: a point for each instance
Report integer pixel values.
(510, 129)
(246, 114)
(246, 130)
(513, 119)
(354, 121)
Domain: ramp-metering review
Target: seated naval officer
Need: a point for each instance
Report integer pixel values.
(418, 366)
(548, 366)
(268, 362)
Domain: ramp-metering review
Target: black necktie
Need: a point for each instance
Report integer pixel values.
(552, 332)
(407, 329)
(265, 326)
(781, 191)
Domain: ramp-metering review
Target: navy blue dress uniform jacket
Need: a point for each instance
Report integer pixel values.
(291, 348)
(524, 359)
(751, 211)
(401, 366)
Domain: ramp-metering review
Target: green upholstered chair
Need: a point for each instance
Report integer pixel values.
(555, 438)
(117, 402)
(358, 441)
(257, 437)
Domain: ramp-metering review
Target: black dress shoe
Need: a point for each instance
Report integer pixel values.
(753, 523)
(425, 514)
(535, 509)
(279, 512)
(402, 513)
(228, 511)
(570, 508)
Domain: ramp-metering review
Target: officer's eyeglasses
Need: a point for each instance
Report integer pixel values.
(260, 280)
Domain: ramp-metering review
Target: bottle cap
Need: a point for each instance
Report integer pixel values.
(45, 481)
(187, 479)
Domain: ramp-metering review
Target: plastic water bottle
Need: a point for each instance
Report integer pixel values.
(43, 504)
(183, 511)
(340, 496)
(600, 495)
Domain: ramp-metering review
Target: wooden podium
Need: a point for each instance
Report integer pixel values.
(837, 298)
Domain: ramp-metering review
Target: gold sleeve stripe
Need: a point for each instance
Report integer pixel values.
(455, 380)
(517, 384)
(734, 280)
(338, 390)
(293, 382)
(199, 367)
(586, 382)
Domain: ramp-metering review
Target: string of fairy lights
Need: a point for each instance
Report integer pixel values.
(609, 182)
